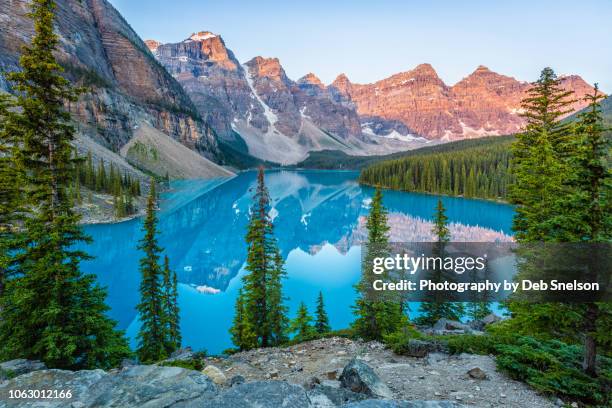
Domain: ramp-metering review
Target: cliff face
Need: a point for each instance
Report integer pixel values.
(483, 103)
(128, 86)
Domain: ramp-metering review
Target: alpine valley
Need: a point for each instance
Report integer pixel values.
(150, 106)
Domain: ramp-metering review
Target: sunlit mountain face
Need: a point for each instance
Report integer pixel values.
(319, 221)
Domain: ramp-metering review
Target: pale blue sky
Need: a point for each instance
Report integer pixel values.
(370, 40)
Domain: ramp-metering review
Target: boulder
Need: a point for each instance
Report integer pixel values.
(215, 374)
(327, 396)
(418, 348)
(260, 394)
(480, 324)
(183, 354)
(236, 380)
(403, 404)
(443, 325)
(359, 377)
(477, 373)
(490, 319)
(311, 383)
(20, 366)
(151, 386)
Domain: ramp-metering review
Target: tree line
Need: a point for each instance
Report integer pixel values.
(482, 171)
(124, 188)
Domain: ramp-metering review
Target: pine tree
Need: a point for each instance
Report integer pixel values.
(171, 308)
(153, 334)
(10, 193)
(302, 326)
(243, 334)
(277, 313)
(51, 310)
(538, 164)
(322, 321)
(436, 307)
(562, 194)
(590, 202)
(377, 315)
(263, 299)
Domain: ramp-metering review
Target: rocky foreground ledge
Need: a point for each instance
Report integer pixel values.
(324, 373)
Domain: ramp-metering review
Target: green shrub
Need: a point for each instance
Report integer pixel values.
(192, 364)
(399, 341)
(554, 367)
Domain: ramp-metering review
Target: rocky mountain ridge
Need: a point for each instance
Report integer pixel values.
(281, 120)
(127, 87)
(255, 106)
(484, 103)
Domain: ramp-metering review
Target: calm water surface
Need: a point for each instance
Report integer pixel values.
(203, 224)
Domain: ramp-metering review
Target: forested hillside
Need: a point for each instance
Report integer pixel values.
(475, 168)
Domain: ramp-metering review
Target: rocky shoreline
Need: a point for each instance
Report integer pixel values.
(324, 373)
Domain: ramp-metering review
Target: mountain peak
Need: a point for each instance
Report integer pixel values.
(266, 67)
(341, 79)
(152, 45)
(310, 79)
(201, 36)
(425, 69)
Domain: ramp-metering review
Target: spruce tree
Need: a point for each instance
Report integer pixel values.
(591, 202)
(436, 308)
(171, 308)
(263, 299)
(243, 334)
(538, 165)
(321, 320)
(11, 193)
(152, 335)
(562, 195)
(51, 310)
(302, 326)
(377, 315)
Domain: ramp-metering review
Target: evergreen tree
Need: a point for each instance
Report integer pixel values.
(51, 311)
(436, 307)
(562, 194)
(302, 326)
(322, 321)
(263, 299)
(277, 313)
(538, 165)
(153, 333)
(171, 308)
(9, 192)
(243, 334)
(377, 314)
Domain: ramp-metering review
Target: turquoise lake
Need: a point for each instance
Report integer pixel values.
(317, 217)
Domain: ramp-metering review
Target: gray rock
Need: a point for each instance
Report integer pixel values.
(260, 394)
(446, 324)
(359, 377)
(236, 380)
(183, 354)
(21, 366)
(477, 373)
(327, 396)
(150, 386)
(311, 383)
(418, 348)
(402, 404)
(480, 324)
(491, 318)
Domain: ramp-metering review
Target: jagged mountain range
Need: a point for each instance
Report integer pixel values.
(281, 120)
(198, 93)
